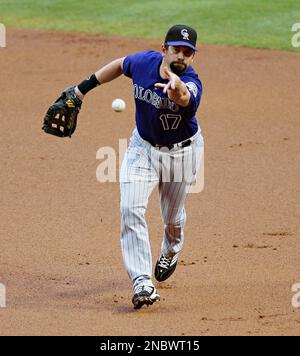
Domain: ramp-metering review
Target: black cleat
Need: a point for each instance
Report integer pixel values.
(165, 266)
(144, 295)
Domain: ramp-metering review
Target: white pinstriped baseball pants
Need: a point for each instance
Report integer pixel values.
(142, 169)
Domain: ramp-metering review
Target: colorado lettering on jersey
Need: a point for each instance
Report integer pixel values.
(154, 99)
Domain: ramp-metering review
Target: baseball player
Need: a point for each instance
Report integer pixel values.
(165, 149)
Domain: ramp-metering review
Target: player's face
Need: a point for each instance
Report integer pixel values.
(178, 57)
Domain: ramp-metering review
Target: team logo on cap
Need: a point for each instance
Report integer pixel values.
(185, 34)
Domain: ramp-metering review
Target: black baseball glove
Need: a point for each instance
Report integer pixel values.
(61, 117)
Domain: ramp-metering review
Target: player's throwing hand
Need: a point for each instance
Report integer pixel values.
(173, 81)
(175, 88)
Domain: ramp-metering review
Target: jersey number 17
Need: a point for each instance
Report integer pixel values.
(170, 121)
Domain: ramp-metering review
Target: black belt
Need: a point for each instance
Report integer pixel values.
(182, 144)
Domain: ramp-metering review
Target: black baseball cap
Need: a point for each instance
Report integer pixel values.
(181, 35)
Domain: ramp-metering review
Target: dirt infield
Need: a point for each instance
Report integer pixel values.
(60, 256)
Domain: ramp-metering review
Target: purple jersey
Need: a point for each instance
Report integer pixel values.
(158, 119)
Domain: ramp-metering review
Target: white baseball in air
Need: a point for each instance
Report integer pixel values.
(118, 105)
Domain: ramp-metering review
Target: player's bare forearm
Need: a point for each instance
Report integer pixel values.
(105, 74)
(110, 71)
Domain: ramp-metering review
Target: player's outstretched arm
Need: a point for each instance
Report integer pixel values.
(105, 74)
(61, 118)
